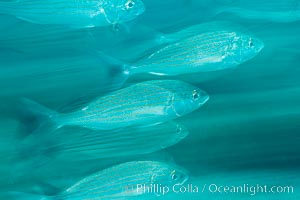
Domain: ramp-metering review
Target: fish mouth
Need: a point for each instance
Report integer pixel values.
(184, 180)
(260, 45)
(143, 9)
(185, 174)
(204, 97)
(182, 131)
(140, 8)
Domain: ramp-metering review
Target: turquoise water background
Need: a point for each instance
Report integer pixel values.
(247, 133)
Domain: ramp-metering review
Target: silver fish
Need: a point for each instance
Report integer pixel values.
(142, 104)
(122, 181)
(74, 13)
(200, 48)
(84, 144)
(210, 51)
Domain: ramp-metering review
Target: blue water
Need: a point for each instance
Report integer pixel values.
(246, 134)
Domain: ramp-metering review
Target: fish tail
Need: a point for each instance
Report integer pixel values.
(36, 118)
(120, 70)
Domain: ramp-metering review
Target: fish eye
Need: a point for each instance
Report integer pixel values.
(195, 95)
(178, 130)
(174, 176)
(116, 28)
(129, 4)
(251, 44)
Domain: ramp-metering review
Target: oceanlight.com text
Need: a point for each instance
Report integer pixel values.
(248, 189)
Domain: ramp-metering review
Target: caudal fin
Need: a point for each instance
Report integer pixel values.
(120, 70)
(30, 152)
(36, 118)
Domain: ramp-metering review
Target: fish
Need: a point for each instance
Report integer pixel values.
(142, 104)
(268, 10)
(210, 51)
(121, 181)
(74, 13)
(84, 144)
(196, 49)
(126, 142)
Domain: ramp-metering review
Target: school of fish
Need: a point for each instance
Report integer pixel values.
(124, 113)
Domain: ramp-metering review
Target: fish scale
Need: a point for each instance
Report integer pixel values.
(123, 142)
(186, 52)
(115, 98)
(208, 41)
(113, 103)
(128, 139)
(116, 106)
